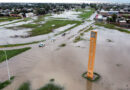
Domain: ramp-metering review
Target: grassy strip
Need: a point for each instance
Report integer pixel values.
(14, 45)
(29, 25)
(11, 53)
(95, 78)
(25, 19)
(62, 45)
(12, 22)
(68, 28)
(48, 26)
(24, 86)
(89, 29)
(78, 38)
(41, 18)
(3, 19)
(85, 14)
(51, 86)
(6, 83)
(111, 26)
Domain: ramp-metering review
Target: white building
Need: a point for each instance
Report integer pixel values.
(29, 14)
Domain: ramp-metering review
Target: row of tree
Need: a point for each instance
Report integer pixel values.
(40, 8)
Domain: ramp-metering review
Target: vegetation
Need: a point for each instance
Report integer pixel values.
(2, 19)
(14, 45)
(85, 14)
(78, 23)
(41, 18)
(78, 38)
(96, 77)
(112, 19)
(51, 86)
(63, 45)
(48, 26)
(89, 29)
(6, 83)
(25, 19)
(24, 86)
(29, 25)
(111, 26)
(11, 53)
(52, 80)
(109, 40)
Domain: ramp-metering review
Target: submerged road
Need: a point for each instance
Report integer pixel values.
(66, 64)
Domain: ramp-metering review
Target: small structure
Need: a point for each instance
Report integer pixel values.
(14, 15)
(29, 14)
(99, 18)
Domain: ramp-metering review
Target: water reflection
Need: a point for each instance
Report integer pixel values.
(89, 85)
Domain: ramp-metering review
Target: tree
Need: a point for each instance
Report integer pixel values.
(114, 17)
(109, 19)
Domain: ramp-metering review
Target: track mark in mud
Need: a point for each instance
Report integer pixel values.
(109, 40)
(118, 65)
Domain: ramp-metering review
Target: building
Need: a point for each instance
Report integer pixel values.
(29, 14)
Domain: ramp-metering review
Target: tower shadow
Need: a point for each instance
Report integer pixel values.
(88, 85)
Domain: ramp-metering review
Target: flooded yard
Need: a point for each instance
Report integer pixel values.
(67, 64)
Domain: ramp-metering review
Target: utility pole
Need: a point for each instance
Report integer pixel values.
(92, 51)
(7, 65)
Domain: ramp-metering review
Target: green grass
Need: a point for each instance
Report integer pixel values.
(62, 45)
(51, 86)
(41, 18)
(29, 25)
(47, 27)
(85, 14)
(6, 83)
(52, 80)
(25, 19)
(89, 29)
(11, 53)
(2, 19)
(109, 40)
(78, 23)
(24, 86)
(14, 45)
(111, 26)
(77, 39)
(81, 34)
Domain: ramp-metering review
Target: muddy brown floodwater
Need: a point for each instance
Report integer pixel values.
(67, 64)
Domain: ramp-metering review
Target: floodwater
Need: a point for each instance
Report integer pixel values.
(7, 36)
(67, 64)
(12, 36)
(68, 14)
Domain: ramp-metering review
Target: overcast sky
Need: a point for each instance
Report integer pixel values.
(69, 1)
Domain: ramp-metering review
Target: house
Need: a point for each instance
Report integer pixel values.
(14, 15)
(29, 14)
(122, 22)
(108, 13)
(99, 18)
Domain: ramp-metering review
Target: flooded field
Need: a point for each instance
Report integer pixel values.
(67, 64)
(14, 34)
